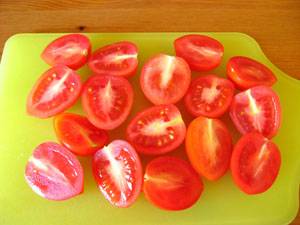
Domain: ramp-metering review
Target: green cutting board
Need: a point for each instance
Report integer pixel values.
(221, 201)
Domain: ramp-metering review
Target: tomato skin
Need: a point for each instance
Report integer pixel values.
(209, 96)
(101, 63)
(246, 73)
(54, 173)
(209, 146)
(55, 91)
(201, 52)
(171, 183)
(77, 134)
(118, 173)
(58, 51)
(255, 163)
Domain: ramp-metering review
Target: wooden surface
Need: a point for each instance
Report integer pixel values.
(274, 24)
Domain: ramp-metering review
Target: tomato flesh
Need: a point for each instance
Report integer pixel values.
(55, 91)
(53, 172)
(171, 183)
(156, 130)
(165, 79)
(118, 172)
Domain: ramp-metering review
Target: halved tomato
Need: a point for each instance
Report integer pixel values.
(118, 172)
(209, 96)
(156, 130)
(247, 73)
(208, 146)
(118, 59)
(77, 134)
(255, 163)
(171, 183)
(201, 52)
(53, 172)
(55, 91)
(107, 100)
(165, 79)
(256, 109)
(71, 50)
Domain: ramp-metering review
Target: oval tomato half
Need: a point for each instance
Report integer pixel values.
(71, 50)
(209, 96)
(55, 91)
(156, 130)
(208, 146)
(165, 79)
(53, 172)
(201, 52)
(107, 100)
(255, 163)
(247, 73)
(171, 183)
(256, 109)
(77, 134)
(118, 172)
(118, 59)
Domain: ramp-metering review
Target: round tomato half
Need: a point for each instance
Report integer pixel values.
(118, 59)
(256, 109)
(208, 146)
(165, 79)
(171, 183)
(55, 91)
(118, 172)
(255, 163)
(201, 52)
(71, 50)
(107, 100)
(247, 73)
(156, 130)
(77, 134)
(53, 172)
(209, 96)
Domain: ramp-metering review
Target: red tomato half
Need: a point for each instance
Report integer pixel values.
(53, 172)
(107, 100)
(55, 91)
(208, 146)
(171, 183)
(247, 73)
(118, 59)
(77, 134)
(209, 96)
(165, 79)
(256, 109)
(156, 130)
(71, 50)
(118, 172)
(255, 163)
(202, 53)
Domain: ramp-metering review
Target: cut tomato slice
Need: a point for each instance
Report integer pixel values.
(156, 130)
(77, 134)
(201, 52)
(118, 59)
(208, 146)
(209, 96)
(55, 91)
(247, 73)
(71, 50)
(118, 172)
(256, 109)
(171, 183)
(107, 100)
(54, 173)
(165, 79)
(255, 163)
